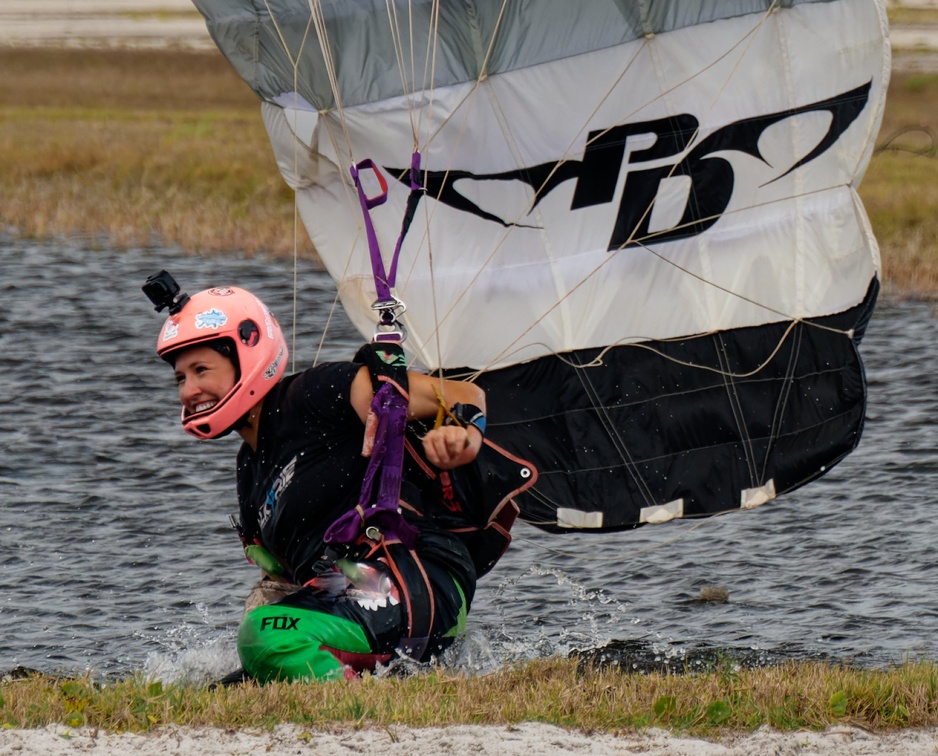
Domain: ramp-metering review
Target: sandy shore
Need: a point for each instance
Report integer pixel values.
(528, 739)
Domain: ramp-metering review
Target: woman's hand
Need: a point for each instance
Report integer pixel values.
(451, 446)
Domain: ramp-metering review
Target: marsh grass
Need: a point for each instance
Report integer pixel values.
(911, 16)
(900, 189)
(129, 147)
(788, 697)
(137, 148)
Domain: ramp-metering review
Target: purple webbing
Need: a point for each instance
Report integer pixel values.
(383, 281)
(382, 285)
(390, 407)
(414, 186)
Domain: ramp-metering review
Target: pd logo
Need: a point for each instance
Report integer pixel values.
(699, 161)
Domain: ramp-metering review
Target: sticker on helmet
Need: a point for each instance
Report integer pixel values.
(211, 319)
(170, 330)
(271, 371)
(221, 291)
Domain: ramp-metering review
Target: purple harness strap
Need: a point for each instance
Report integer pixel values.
(387, 457)
(385, 281)
(389, 406)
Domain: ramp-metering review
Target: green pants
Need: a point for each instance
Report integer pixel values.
(318, 634)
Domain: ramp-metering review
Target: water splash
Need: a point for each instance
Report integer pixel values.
(192, 653)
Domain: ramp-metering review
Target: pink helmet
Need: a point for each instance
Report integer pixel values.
(238, 317)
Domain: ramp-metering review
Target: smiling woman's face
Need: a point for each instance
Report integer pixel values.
(204, 377)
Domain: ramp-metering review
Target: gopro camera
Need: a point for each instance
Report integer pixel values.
(163, 291)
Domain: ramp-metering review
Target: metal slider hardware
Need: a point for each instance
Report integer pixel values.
(388, 326)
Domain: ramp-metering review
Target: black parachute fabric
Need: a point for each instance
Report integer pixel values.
(687, 428)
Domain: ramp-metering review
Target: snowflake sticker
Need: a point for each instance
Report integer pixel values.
(211, 319)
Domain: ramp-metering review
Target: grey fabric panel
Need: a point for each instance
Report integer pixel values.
(525, 33)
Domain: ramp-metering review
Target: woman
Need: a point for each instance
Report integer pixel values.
(401, 587)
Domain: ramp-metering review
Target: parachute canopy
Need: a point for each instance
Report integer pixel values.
(635, 222)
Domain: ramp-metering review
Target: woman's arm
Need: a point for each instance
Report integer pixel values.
(448, 446)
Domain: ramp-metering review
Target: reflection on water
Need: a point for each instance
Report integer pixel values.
(116, 554)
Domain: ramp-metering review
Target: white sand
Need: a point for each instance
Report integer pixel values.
(524, 740)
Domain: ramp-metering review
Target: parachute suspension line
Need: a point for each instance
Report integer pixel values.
(296, 211)
(736, 407)
(432, 51)
(394, 24)
(403, 56)
(431, 57)
(325, 329)
(782, 403)
(597, 361)
(319, 22)
(639, 241)
(294, 62)
(535, 494)
(782, 315)
(469, 97)
(389, 307)
(417, 184)
(612, 432)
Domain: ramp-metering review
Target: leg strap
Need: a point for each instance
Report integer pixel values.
(416, 597)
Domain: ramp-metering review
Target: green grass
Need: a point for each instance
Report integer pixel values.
(900, 189)
(911, 16)
(789, 697)
(139, 148)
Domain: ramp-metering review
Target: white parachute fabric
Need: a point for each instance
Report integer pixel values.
(589, 182)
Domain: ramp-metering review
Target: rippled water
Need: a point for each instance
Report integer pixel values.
(116, 556)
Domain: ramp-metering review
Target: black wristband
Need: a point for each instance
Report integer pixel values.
(469, 414)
